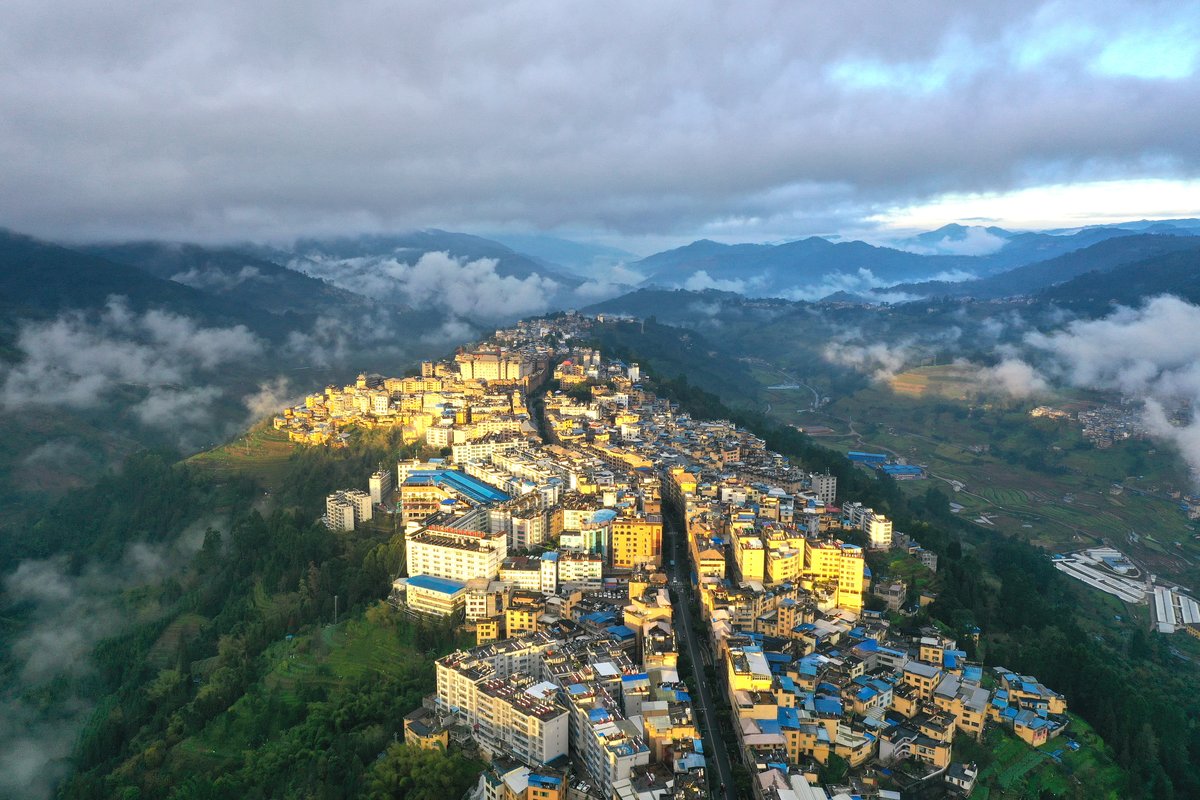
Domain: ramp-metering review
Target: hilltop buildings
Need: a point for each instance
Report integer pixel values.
(560, 556)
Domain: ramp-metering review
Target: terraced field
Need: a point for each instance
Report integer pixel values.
(1018, 771)
(261, 453)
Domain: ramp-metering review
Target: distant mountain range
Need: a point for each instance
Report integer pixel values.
(242, 319)
(924, 264)
(1030, 278)
(39, 280)
(408, 247)
(582, 259)
(1176, 272)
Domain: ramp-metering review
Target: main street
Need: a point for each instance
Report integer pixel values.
(715, 752)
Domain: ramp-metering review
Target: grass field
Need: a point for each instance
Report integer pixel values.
(261, 453)
(946, 381)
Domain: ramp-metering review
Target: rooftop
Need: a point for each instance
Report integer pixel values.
(432, 583)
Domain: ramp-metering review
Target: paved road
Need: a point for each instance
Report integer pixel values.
(705, 698)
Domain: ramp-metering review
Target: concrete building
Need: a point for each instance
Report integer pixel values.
(636, 541)
(840, 566)
(345, 509)
(824, 486)
(438, 597)
(381, 486)
(879, 531)
(511, 714)
(454, 553)
(339, 513)
(584, 570)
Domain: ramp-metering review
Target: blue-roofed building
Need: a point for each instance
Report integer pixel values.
(429, 594)
(622, 633)
(860, 457)
(473, 489)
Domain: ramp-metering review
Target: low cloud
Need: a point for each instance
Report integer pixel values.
(212, 279)
(1014, 377)
(862, 283)
(68, 614)
(953, 276)
(471, 289)
(77, 360)
(975, 241)
(272, 396)
(451, 331)
(173, 408)
(700, 280)
(1149, 354)
(620, 279)
(880, 360)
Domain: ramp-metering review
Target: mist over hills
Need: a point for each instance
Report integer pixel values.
(814, 268)
(230, 273)
(1176, 273)
(1105, 255)
(584, 259)
(109, 349)
(149, 343)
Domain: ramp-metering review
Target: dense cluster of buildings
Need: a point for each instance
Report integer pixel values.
(480, 392)
(552, 551)
(1101, 425)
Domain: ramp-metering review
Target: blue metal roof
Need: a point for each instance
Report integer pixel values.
(471, 488)
(621, 632)
(433, 583)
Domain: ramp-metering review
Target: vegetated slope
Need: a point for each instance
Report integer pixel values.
(221, 676)
(580, 258)
(231, 274)
(83, 384)
(1105, 255)
(39, 279)
(672, 304)
(408, 247)
(1031, 247)
(999, 249)
(816, 266)
(1094, 293)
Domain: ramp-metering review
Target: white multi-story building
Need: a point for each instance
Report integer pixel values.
(608, 745)
(513, 714)
(879, 531)
(345, 509)
(824, 486)
(339, 513)
(522, 572)
(455, 553)
(549, 573)
(380, 486)
(583, 569)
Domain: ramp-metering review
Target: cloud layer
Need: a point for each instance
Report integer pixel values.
(66, 615)
(1149, 354)
(225, 119)
(77, 360)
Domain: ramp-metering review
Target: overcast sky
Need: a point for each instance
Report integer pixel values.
(637, 123)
